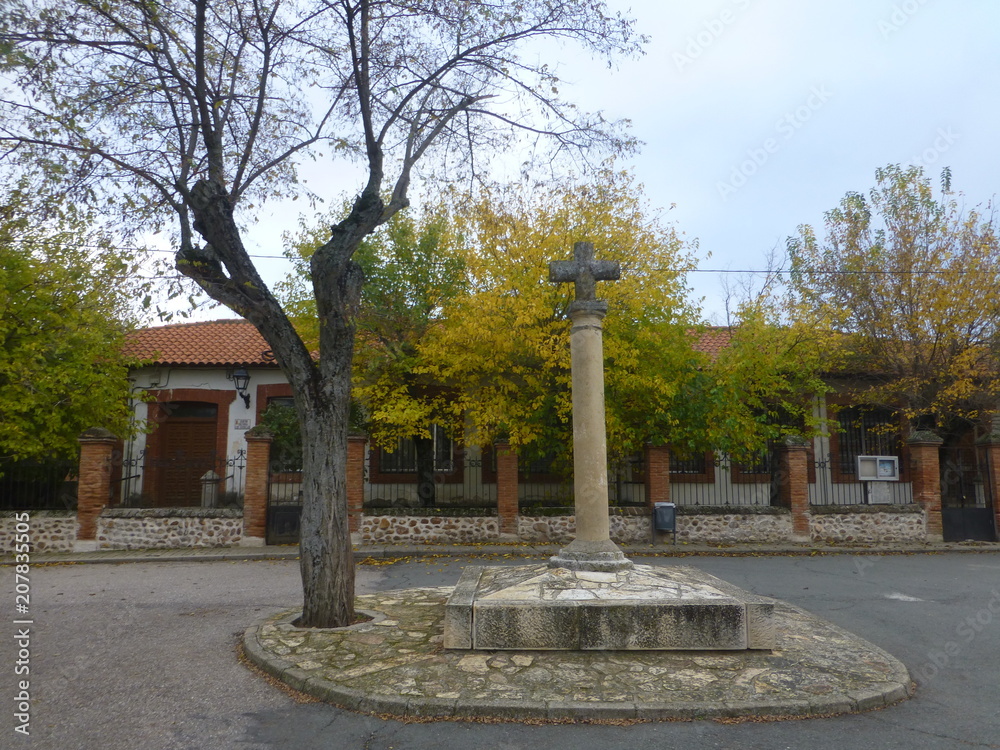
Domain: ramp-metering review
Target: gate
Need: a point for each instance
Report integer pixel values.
(284, 503)
(966, 495)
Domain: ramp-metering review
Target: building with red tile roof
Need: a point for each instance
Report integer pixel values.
(215, 343)
(235, 342)
(201, 386)
(712, 341)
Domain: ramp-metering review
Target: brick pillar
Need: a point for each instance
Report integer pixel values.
(925, 463)
(94, 488)
(657, 475)
(255, 486)
(991, 445)
(793, 485)
(507, 507)
(356, 445)
(993, 470)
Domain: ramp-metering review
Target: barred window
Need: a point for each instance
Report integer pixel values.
(403, 459)
(866, 431)
(444, 451)
(695, 464)
(760, 463)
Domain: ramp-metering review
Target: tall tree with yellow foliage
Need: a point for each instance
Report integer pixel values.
(908, 281)
(503, 345)
(460, 327)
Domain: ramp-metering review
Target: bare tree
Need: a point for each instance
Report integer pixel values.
(195, 111)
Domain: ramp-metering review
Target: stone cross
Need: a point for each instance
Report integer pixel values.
(585, 271)
(592, 549)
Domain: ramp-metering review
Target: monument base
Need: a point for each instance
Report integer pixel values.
(538, 607)
(604, 556)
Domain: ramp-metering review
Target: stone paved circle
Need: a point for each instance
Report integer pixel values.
(396, 665)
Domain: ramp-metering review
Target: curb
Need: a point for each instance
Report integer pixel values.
(899, 687)
(389, 552)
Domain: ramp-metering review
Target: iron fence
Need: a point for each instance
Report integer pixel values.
(470, 482)
(721, 481)
(823, 490)
(179, 481)
(41, 485)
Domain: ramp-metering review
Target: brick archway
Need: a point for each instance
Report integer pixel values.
(193, 436)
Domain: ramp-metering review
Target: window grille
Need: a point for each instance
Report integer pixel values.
(403, 459)
(866, 431)
(691, 465)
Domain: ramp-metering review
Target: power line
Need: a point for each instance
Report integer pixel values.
(841, 272)
(123, 249)
(750, 271)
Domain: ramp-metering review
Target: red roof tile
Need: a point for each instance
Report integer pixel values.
(712, 341)
(214, 343)
(234, 342)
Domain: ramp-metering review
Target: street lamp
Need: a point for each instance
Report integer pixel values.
(241, 379)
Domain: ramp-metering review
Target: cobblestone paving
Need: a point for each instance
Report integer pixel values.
(396, 665)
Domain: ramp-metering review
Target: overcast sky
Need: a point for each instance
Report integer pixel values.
(759, 115)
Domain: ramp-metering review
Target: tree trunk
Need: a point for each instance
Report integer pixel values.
(322, 389)
(326, 557)
(324, 403)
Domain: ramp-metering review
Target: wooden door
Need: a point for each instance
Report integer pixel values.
(184, 450)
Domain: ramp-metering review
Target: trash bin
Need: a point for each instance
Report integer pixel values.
(665, 519)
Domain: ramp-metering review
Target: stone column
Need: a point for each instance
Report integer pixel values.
(657, 475)
(925, 460)
(255, 486)
(793, 487)
(592, 549)
(94, 486)
(507, 488)
(356, 447)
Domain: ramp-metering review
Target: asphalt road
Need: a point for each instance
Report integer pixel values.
(142, 655)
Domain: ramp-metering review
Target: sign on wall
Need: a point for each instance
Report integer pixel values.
(878, 468)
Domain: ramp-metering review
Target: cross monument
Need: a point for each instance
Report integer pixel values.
(589, 596)
(592, 549)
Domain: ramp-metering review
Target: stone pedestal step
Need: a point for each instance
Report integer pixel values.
(537, 607)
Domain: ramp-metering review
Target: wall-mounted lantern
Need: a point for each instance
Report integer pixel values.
(241, 379)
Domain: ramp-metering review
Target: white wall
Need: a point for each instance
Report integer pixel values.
(241, 417)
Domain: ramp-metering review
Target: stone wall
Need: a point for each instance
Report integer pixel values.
(431, 529)
(165, 528)
(49, 530)
(627, 526)
(633, 526)
(760, 524)
(147, 528)
(867, 523)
